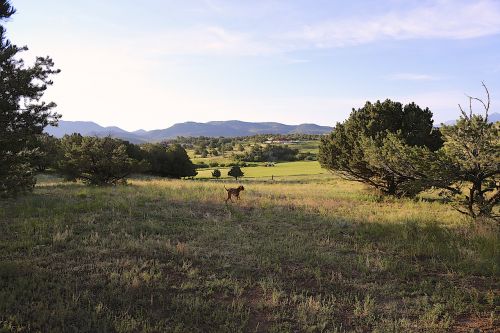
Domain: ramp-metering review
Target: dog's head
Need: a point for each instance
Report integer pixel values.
(241, 188)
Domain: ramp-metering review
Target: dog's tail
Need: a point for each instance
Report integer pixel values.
(225, 188)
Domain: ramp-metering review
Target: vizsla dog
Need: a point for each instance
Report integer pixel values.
(234, 192)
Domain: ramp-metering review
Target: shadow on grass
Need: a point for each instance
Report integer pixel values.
(77, 258)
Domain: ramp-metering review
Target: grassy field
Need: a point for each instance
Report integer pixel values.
(307, 146)
(316, 255)
(281, 171)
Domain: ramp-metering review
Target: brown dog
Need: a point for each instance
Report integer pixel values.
(234, 192)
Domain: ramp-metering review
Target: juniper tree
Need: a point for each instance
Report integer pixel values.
(344, 150)
(169, 161)
(235, 172)
(473, 146)
(466, 169)
(49, 152)
(23, 114)
(96, 161)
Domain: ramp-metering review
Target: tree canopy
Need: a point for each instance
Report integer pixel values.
(235, 172)
(23, 113)
(96, 161)
(216, 173)
(169, 161)
(345, 149)
(466, 169)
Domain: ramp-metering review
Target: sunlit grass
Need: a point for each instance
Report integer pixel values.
(310, 253)
(278, 172)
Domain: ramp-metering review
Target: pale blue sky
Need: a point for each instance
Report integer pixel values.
(149, 64)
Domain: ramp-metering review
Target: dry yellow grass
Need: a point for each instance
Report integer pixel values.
(313, 254)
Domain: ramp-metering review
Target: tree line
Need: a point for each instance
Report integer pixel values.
(269, 153)
(100, 161)
(209, 146)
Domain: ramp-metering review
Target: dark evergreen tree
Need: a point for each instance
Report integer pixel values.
(466, 168)
(180, 163)
(23, 114)
(343, 150)
(49, 152)
(472, 146)
(169, 161)
(235, 172)
(96, 161)
(216, 173)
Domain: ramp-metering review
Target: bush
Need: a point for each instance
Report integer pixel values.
(216, 173)
(202, 165)
(48, 152)
(307, 156)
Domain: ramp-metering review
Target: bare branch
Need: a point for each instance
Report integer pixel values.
(488, 95)
(470, 106)
(463, 112)
(486, 105)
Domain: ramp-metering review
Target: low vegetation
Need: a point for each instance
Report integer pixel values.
(270, 153)
(317, 255)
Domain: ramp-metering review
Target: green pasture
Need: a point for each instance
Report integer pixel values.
(278, 171)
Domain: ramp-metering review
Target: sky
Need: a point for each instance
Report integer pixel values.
(152, 63)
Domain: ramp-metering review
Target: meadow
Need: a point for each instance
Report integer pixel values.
(308, 253)
(280, 171)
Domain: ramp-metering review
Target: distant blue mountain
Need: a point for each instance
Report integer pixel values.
(229, 128)
(493, 118)
(91, 128)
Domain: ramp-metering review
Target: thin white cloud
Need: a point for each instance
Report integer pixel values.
(295, 61)
(412, 77)
(209, 40)
(440, 20)
(443, 19)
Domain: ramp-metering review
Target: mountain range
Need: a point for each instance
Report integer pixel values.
(493, 118)
(229, 128)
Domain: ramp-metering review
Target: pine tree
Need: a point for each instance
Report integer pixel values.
(23, 114)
